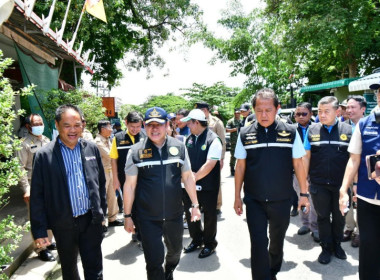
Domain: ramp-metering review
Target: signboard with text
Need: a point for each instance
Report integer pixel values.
(109, 104)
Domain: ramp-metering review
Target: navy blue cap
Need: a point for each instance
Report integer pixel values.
(375, 86)
(245, 107)
(117, 124)
(155, 114)
(171, 116)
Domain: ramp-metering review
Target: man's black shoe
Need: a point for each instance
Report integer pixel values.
(325, 255)
(303, 230)
(52, 246)
(116, 223)
(105, 228)
(46, 256)
(206, 252)
(339, 252)
(315, 235)
(347, 235)
(191, 248)
(218, 212)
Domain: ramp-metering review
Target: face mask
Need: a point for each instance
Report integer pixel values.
(279, 111)
(38, 130)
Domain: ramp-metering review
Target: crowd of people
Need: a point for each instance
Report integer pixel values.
(164, 170)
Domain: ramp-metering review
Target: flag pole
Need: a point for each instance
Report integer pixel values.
(71, 43)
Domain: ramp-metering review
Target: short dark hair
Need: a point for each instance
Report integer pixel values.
(329, 100)
(358, 98)
(202, 123)
(63, 108)
(183, 112)
(133, 117)
(28, 119)
(103, 123)
(306, 105)
(265, 93)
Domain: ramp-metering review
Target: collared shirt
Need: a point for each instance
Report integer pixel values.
(79, 196)
(306, 142)
(104, 146)
(298, 150)
(114, 154)
(216, 125)
(29, 146)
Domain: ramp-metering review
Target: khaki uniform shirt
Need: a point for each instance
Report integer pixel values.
(29, 146)
(86, 135)
(104, 146)
(216, 125)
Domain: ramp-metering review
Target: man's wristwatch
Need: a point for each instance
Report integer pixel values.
(127, 215)
(305, 195)
(193, 205)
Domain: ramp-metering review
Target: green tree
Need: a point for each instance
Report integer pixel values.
(134, 31)
(339, 37)
(10, 170)
(170, 102)
(90, 105)
(218, 95)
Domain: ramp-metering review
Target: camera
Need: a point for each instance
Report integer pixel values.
(372, 171)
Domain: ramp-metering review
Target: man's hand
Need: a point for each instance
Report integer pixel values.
(221, 163)
(129, 226)
(116, 184)
(195, 214)
(343, 201)
(304, 201)
(238, 206)
(42, 242)
(27, 196)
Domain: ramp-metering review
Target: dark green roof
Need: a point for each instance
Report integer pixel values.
(333, 84)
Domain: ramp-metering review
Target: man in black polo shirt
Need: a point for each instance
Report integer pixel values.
(267, 152)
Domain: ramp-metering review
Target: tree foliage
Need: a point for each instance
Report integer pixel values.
(170, 102)
(90, 105)
(297, 41)
(10, 170)
(134, 31)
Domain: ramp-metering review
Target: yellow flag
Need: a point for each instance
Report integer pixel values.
(96, 8)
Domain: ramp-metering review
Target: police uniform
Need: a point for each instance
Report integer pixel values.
(87, 135)
(366, 141)
(268, 177)
(233, 123)
(158, 200)
(29, 146)
(198, 148)
(104, 146)
(329, 156)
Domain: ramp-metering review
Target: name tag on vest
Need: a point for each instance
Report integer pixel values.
(146, 153)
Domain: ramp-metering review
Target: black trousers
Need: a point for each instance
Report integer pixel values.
(369, 249)
(267, 263)
(154, 251)
(86, 238)
(207, 200)
(326, 204)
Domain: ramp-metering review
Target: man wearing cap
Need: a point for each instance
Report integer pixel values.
(365, 141)
(182, 128)
(154, 169)
(245, 111)
(205, 150)
(232, 127)
(121, 143)
(216, 125)
(343, 111)
(267, 152)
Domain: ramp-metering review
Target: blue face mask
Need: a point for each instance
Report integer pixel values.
(38, 130)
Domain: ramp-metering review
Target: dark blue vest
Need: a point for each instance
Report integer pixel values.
(370, 132)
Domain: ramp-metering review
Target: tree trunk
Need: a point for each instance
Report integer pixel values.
(352, 69)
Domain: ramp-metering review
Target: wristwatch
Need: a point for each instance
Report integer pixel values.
(305, 195)
(193, 205)
(127, 215)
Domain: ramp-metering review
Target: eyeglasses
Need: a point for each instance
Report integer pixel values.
(303, 114)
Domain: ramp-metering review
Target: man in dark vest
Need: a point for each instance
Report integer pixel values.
(326, 157)
(154, 169)
(121, 143)
(205, 151)
(267, 152)
(365, 142)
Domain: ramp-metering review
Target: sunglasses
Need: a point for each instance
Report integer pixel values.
(303, 114)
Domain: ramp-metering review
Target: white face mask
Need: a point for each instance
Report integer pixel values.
(38, 130)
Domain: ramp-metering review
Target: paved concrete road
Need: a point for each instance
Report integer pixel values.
(124, 259)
